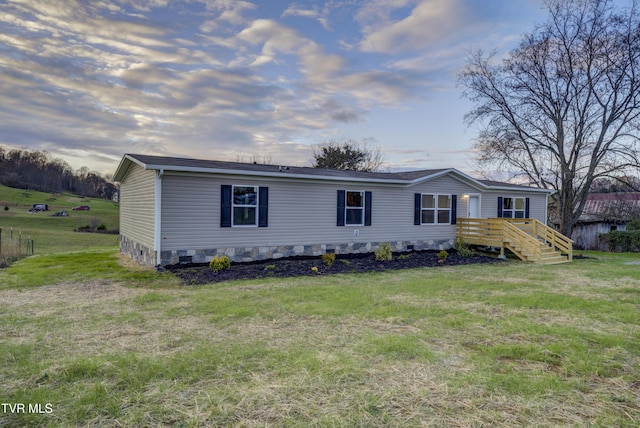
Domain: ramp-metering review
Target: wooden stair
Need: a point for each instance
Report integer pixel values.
(528, 239)
(550, 256)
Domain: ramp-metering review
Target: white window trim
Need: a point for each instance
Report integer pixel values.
(234, 205)
(514, 210)
(347, 207)
(435, 209)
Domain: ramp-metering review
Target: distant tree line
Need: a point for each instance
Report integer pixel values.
(35, 170)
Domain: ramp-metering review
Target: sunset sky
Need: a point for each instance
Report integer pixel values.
(88, 81)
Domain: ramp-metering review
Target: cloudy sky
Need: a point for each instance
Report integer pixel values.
(90, 80)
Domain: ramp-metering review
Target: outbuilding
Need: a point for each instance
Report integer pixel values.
(178, 210)
(603, 213)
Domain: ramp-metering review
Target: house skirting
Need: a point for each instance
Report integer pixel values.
(250, 254)
(137, 251)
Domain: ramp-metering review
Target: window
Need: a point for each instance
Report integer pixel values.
(354, 208)
(243, 206)
(435, 209)
(514, 208)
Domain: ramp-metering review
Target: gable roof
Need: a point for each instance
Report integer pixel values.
(611, 207)
(176, 164)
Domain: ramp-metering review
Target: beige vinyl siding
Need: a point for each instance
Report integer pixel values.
(301, 212)
(137, 206)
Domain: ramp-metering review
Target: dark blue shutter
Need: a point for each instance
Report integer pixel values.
(499, 206)
(367, 208)
(454, 208)
(526, 208)
(263, 207)
(225, 205)
(417, 208)
(340, 210)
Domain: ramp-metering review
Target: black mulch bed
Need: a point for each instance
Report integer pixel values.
(194, 274)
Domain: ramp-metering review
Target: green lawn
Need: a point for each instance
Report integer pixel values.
(96, 342)
(53, 234)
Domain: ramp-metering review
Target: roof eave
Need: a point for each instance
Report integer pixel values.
(526, 189)
(269, 174)
(127, 160)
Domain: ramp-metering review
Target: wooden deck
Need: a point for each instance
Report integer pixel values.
(527, 238)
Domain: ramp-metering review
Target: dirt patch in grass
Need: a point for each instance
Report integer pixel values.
(77, 293)
(194, 274)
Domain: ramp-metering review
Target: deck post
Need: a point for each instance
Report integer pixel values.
(534, 228)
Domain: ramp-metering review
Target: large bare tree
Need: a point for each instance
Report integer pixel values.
(563, 108)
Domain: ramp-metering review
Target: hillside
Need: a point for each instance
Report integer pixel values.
(55, 234)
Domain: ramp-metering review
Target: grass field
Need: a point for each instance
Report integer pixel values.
(53, 234)
(87, 339)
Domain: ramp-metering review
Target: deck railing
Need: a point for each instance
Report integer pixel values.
(524, 236)
(521, 243)
(481, 231)
(545, 233)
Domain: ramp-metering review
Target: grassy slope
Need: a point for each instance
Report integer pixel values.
(497, 345)
(55, 234)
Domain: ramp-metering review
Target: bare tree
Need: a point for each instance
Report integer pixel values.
(562, 109)
(348, 155)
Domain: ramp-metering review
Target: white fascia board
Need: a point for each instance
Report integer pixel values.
(460, 176)
(452, 171)
(521, 189)
(126, 161)
(273, 174)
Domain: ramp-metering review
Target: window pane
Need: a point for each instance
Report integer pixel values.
(519, 214)
(507, 214)
(428, 216)
(243, 216)
(507, 203)
(428, 201)
(244, 195)
(519, 203)
(354, 216)
(443, 216)
(444, 201)
(354, 199)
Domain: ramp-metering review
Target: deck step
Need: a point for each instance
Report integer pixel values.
(554, 260)
(529, 239)
(548, 255)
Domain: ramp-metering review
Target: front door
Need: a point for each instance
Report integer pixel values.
(474, 207)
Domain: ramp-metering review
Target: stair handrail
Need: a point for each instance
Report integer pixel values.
(491, 231)
(537, 229)
(556, 239)
(525, 240)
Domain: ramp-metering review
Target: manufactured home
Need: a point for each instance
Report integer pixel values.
(178, 210)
